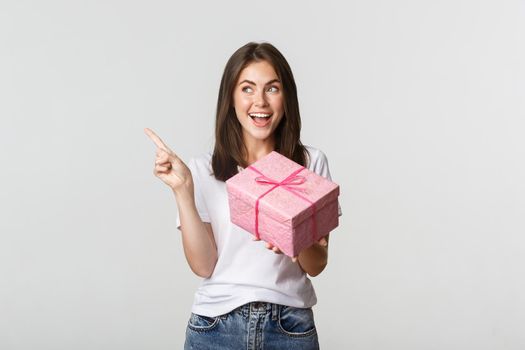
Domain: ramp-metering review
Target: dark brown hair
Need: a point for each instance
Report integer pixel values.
(230, 150)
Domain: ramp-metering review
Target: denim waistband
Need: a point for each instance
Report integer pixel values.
(259, 307)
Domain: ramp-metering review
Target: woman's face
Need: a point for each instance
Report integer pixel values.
(258, 101)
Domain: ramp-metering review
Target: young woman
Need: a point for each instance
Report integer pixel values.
(251, 297)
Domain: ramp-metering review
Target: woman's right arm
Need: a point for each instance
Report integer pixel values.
(197, 237)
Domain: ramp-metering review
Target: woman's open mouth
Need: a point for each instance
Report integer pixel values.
(261, 119)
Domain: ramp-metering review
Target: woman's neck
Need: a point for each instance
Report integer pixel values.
(258, 149)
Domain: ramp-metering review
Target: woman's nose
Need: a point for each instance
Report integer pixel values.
(260, 99)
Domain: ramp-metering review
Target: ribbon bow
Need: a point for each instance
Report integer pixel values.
(295, 180)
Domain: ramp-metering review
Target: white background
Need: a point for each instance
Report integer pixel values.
(419, 106)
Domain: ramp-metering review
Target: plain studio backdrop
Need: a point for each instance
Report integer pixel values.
(419, 106)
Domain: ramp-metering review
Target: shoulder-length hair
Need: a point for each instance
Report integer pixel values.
(230, 150)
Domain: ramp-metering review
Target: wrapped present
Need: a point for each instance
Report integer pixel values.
(283, 203)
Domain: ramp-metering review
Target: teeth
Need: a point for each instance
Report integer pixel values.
(260, 115)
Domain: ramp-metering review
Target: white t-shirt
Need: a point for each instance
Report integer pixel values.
(246, 270)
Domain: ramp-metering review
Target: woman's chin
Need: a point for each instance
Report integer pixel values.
(258, 135)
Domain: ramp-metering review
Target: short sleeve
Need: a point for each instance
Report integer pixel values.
(321, 168)
(196, 173)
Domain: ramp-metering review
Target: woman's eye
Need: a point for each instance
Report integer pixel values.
(247, 89)
(273, 89)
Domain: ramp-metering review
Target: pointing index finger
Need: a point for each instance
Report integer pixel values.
(156, 140)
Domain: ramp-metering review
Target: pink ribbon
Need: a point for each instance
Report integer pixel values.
(292, 180)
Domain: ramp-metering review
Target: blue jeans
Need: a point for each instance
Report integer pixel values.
(254, 326)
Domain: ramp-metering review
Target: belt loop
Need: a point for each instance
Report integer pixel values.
(245, 309)
(274, 312)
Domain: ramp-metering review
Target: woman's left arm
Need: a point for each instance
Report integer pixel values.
(313, 260)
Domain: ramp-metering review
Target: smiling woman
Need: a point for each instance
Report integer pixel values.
(249, 296)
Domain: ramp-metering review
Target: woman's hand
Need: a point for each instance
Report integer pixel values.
(170, 168)
(323, 242)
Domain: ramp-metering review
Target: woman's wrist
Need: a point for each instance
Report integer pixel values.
(183, 193)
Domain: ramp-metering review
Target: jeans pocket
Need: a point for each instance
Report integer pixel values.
(200, 323)
(296, 322)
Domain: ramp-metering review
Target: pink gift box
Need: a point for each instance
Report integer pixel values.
(276, 199)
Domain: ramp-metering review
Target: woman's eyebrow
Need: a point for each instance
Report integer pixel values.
(252, 83)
